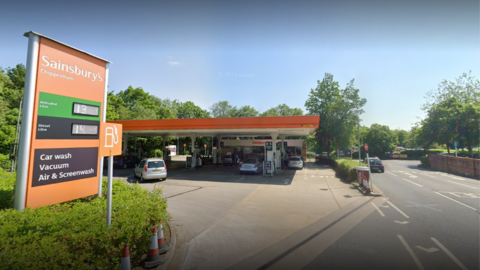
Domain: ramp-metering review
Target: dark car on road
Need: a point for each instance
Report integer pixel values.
(376, 165)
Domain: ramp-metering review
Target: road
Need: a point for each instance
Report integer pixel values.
(429, 220)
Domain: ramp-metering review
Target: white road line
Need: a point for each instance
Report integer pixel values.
(396, 208)
(449, 253)
(391, 173)
(427, 174)
(417, 261)
(453, 193)
(474, 209)
(379, 211)
(461, 184)
(412, 182)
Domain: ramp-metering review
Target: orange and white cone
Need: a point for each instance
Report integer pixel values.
(125, 265)
(153, 258)
(162, 246)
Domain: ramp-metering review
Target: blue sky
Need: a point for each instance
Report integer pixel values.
(264, 54)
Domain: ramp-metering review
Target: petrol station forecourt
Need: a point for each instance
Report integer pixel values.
(277, 127)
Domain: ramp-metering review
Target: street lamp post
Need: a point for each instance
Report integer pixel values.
(357, 112)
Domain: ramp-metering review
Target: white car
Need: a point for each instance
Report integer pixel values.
(295, 162)
(151, 168)
(251, 165)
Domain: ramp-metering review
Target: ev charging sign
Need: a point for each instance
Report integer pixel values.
(65, 91)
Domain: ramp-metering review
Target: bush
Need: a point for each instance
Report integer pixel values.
(347, 169)
(425, 162)
(7, 189)
(158, 153)
(4, 164)
(73, 235)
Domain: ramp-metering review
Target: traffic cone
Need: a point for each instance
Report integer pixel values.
(162, 246)
(125, 259)
(153, 258)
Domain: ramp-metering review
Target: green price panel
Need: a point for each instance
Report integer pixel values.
(61, 117)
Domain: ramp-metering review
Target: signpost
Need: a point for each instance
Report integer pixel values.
(455, 144)
(369, 168)
(64, 107)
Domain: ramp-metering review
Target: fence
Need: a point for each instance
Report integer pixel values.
(468, 167)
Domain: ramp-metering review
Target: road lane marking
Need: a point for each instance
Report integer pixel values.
(379, 211)
(402, 222)
(449, 176)
(474, 209)
(429, 250)
(417, 261)
(396, 208)
(412, 182)
(429, 206)
(461, 184)
(453, 193)
(391, 173)
(427, 174)
(449, 253)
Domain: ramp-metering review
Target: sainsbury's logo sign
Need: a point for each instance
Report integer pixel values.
(58, 65)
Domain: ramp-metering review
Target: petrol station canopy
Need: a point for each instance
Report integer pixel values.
(223, 127)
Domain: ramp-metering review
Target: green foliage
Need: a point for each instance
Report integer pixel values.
(346, 168)
(190, 110)
(425, 162)
(73, 235)
(7, 187)
(336, 107)
(245, 111)
(380, 139)
(221, 109)
(282, 110)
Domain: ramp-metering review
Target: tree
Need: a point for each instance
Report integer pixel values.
(282, 110)
(190, 110)
(335, 107)
(245, 111)
(465, 89)
(401, 137)
(380, 139)
(440, 126)
(221, 109)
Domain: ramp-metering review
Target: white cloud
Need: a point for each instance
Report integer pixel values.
(173, 63)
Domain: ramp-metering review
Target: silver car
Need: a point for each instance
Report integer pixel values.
(251, 165)
(151, 168)
(295, 162)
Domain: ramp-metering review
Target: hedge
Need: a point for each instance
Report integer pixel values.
(346, 168)
(74, 235)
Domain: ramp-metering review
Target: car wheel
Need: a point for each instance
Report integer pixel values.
(141, 178)
(124, 166)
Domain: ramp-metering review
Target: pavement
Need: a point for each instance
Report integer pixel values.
(223, 220)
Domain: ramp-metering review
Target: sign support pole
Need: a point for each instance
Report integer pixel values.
(109, 191)
(27, 121)
(104, 119)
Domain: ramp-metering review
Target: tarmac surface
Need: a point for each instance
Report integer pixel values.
(224, 220)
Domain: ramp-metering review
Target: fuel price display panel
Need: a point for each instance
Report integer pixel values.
(62, 117)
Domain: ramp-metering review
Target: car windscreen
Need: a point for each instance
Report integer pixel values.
(251, 161)
(155, 164)
(295, 159)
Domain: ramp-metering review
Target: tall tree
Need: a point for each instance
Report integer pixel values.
(380, 139)
(465, 89)
(282, 110)
(401, 136)
(336, 109)
(190, 110)
(244, 111)
(221, 109)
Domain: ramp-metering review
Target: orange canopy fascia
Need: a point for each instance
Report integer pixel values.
(282, 125)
